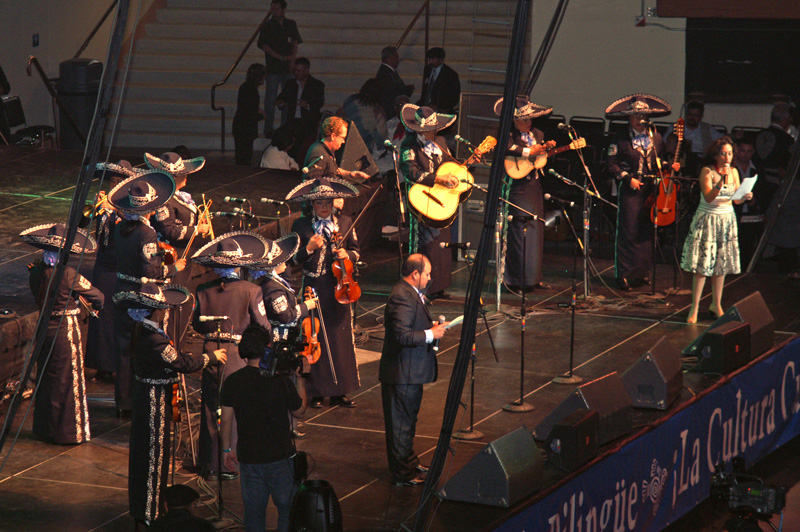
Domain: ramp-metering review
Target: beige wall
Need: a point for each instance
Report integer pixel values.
(62, 26)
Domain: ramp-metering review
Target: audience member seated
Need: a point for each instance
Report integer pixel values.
(697, 137)
(276, 156)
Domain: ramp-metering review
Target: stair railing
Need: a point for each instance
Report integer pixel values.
(426, 7)
(225, 80)
(95, 30)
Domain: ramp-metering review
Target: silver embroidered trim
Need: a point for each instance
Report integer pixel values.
(150, 250)
(158, 382)
(169, 354)
(280, 304)
(67, 312)
(83, 282)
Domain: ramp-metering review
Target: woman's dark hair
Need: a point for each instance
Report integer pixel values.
(254, 342)
(256, 72)
(715, 148)
(282, 139)
(370, 93)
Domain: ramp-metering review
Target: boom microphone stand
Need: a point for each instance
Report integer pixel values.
(401, 209)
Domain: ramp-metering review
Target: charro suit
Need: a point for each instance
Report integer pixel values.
(407, 362)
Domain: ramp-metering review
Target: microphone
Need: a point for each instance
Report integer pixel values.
(462, 140)
(563, 201)
(389, 145)
(556, 174)
(273, 201)
(521, 218)
(312, 163)
(562, 125)
(455, 245)
(204, 319)
(225, 214)
(230, 199)
(237, 210)
(436, 342)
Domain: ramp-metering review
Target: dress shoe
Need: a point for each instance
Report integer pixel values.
(416, 481)
(316, 402)
(623, 283)
(342, 400)
(211, 476)
(140, 524)
(419, 468)
(542, 285)
(297, 435)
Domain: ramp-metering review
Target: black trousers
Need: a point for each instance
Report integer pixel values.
(401, 403)
(244, 149)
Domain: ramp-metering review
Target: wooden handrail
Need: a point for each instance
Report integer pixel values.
(426, 7)
(95, 30)
(225, 80)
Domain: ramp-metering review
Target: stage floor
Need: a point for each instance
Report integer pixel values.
(46, 487)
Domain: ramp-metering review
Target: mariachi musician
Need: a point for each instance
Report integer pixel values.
(525, 192)
(316, 255)
(241, 304)
(139, 259)
(632, 160)
(421, 155)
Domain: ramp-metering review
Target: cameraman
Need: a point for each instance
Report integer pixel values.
(265, 451)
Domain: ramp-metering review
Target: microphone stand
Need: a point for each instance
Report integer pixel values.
(569, 378)
(400, 210)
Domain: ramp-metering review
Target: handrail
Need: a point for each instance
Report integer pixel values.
(426, 5)
(35, 62)
(225, 80)
(95, 30)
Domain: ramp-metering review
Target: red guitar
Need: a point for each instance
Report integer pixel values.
(663, 212)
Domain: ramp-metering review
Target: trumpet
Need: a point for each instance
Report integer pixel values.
(93, 210)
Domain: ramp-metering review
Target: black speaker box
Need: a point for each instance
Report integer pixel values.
(607, 396)
(504, 472)
(656, 379)
(725, 348)
(354, 155)
(573, 440)
(753, 310)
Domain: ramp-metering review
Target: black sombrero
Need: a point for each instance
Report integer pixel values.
(524, 108)
(239, 248)
(51, 237)
(321, 188)
(152, 295)
(422, 119)
(174, 164)
(639, 104)
(143, 193)
(278, 252)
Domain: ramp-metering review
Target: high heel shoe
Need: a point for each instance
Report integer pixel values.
(692, 317)
(714, 313)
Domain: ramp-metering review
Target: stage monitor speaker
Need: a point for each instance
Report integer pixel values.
(504, 472)
(725, 348)
(607, 396)
(573, 440)
(753, 310)
(354, 155)
(656, 379)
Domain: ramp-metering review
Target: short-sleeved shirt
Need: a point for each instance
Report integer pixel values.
(281, 38)
(261, 405)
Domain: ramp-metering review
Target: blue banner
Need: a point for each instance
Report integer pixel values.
(656, 478)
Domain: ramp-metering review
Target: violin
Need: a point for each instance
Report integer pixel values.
(167, 252)
(310, 328)
(347, 290)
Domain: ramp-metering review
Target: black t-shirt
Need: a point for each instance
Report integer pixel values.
(261, 405)
(281, 38)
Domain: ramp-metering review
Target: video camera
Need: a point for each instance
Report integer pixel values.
(746, 495)
(282, 358)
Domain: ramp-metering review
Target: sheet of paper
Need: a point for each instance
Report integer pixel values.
(744, 188)
(455, 322)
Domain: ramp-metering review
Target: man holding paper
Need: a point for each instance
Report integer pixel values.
(408, 361)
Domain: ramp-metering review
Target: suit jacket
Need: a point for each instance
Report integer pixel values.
(406, 357)
(391, 86)
(444, 94)
(313, 93)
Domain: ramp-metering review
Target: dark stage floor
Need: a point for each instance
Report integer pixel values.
(45, 487)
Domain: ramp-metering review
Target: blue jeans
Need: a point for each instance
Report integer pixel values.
(259, 481)
(273, 84)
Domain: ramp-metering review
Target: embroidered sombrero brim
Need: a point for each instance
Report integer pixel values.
(171, 295)
(434, 122)
(180, 167)
(114, 170)
(38, 236)
(529, 110)
(253, 248)
(322, 188)
(161, 183)
(278, 252)
(639, 104)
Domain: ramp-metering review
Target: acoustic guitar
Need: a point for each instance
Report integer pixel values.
(519, 167)
(437, 206)
(663, 212)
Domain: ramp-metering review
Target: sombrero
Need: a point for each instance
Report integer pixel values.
(51, 237)
(278, 252)
(143, 192)
(422, 119)
(239, 248)
(638, 104)
(174, 164)
(321, 188)
(524, 108)
(122, 170)
(151, 295)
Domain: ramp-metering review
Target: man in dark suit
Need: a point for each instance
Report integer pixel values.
(303, 97)
(389, 81)
(441, 88)
(408, 361)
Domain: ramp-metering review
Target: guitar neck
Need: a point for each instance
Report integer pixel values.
(556, 151)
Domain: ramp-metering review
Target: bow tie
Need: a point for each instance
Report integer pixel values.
(324, 228)
(186, 197)
(642, 142)
(528, 139)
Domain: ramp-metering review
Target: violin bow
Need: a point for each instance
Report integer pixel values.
(363, 210)
(325, 335)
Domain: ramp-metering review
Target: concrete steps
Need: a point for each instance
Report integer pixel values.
(192, 44)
